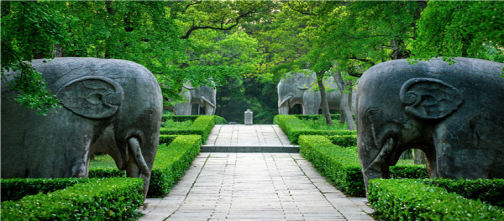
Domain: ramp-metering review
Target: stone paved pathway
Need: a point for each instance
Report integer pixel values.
(254, 186)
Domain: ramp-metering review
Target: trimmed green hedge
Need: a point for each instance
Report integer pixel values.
(344, 140)
(169, 166)
(179, 118)
(167, 139)
(486, 190)
(315, 116)
(16, 188)
(201, 126)
(98, 199)
(293, 127)
(342, 166)
(405, 199)
(171, 162)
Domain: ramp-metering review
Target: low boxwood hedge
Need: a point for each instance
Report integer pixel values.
(201, 126)
(344, 140)
(172, 159)
(342, 167)
(97, 199)
(179, 118)
(293, 127)
(410, 199)
(16, 188)
(171, 162)
(486, 190)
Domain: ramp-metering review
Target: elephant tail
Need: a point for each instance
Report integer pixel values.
(286, 99)
(208, 101)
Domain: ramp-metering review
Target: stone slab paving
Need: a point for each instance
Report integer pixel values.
(254, 186)
(248, 138)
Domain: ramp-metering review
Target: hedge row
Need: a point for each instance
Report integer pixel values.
(486, 190)
(407, 199)
(344, 140)
(182, 118)
(342, 166)
(314, 116)
(97, 199)
(201, 126)
(293, 127)
(16, 188)
(171, 162)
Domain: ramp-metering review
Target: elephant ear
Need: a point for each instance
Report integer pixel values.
(430, 98)
(94, 97)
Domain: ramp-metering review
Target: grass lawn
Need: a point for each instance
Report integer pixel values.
(405, 162)
(102, 161)
(176, 125)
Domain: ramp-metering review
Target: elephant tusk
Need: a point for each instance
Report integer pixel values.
(134, 146)
(287, 98)
(205, 99)
(385, 151)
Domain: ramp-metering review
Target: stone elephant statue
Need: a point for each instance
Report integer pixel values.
(109, 106)
(451, 112)
(204, 96)
(297, 89)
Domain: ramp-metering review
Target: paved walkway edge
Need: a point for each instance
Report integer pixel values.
(250, 149)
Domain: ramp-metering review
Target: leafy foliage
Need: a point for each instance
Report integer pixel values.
(16, 188)
(171, 162)
(113, 198)
(293, 127)
(460, 29)
(414, 200)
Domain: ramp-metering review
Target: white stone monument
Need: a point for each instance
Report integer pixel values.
(249, 117)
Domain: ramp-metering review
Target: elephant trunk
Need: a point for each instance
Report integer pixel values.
(137, 167)
(379, 167)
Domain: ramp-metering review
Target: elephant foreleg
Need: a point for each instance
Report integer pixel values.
(137, 167)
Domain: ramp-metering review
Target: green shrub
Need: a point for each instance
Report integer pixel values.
(486, 190)
(315, 116)
(17, 188)
(344, 140)
(98, 199)
(105, 172)
(293, 127)
(342, 166)
(166, 139)
(406, 199)
(201, 126)
(171, 162)
(220, 120)
(178, 118)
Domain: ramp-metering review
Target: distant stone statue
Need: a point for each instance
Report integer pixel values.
(296, 88)
(204, 96)
(249, 117)
(109, 106)
(453, 113)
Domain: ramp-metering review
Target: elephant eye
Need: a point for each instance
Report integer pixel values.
(372, 112)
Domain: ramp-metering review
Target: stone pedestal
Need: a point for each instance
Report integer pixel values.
(249, 117)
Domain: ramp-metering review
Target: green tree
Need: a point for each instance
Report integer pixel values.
(460, 28)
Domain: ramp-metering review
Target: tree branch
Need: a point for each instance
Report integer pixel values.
(194, 28)
(191, 4)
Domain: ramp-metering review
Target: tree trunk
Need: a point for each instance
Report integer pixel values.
(419, 157)
(345, 111)
(323, 98)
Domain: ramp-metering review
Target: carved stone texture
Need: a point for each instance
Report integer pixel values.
(109, 106)
(453, 113)
(204, 96)
(296, 88)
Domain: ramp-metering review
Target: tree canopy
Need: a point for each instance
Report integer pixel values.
(219, 43)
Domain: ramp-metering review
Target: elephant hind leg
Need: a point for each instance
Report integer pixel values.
(137, 167)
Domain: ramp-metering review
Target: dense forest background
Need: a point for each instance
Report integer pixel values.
(242, 48)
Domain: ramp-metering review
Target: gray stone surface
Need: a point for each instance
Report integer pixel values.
(249, 117)
(109, 106)
(254, 186)
(253, 138)
(204, 96)
(298, 90)
(453, 113)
